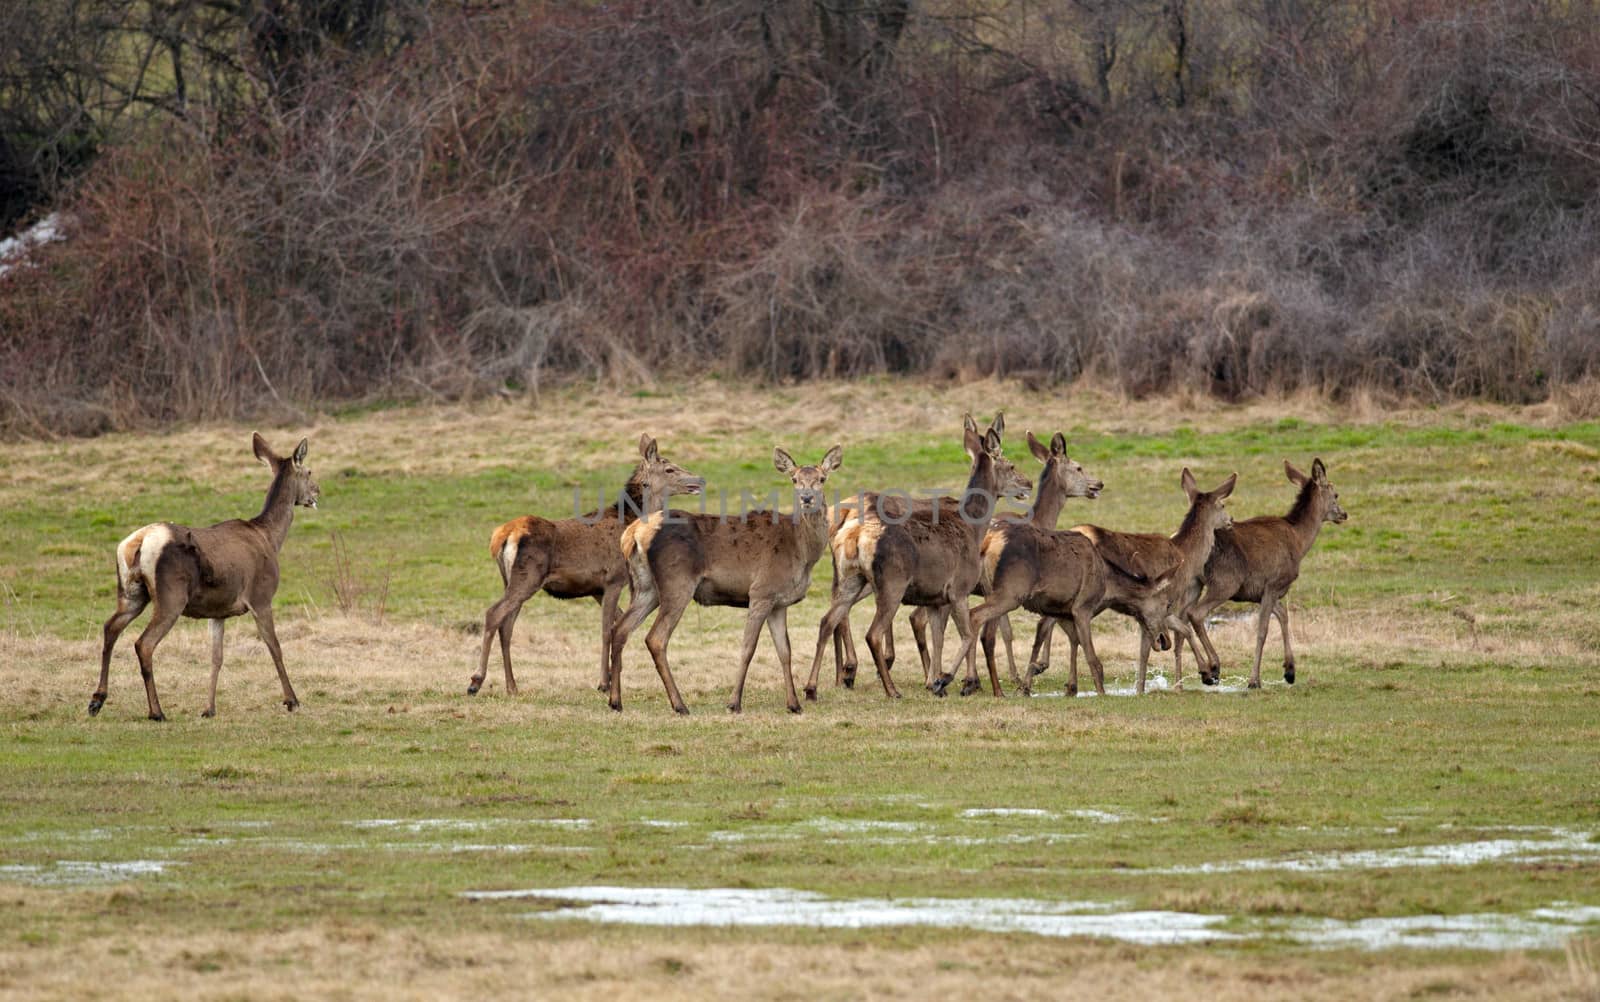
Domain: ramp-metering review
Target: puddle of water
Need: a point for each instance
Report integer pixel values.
(1562, 844)
(667, 906)
(1007, 812)
(67, 872)
(1541, 928)
(420, 825)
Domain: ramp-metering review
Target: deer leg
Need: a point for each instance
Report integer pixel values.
(645, 600)
(939, 618)
(161, 620)
(1212, 665)
(759, 611)
(609, 600)
(845, 595)
(1011, 661)
(269, 635)
(880, 636)
(498, 622)
(1280, 609)
(672, 605)
(778, 627)
(216, 665)
(1079, 634)
(844, 656)
(1144, 658)
(1181, 631)
(986, 640)
(1072, 655)
(1039, 659)
(919, 632)
(128, 609)
(1263, 622)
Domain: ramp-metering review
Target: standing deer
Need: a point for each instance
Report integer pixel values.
(1258, 560)
(758, 560)
(1058, 574)
(212, 573)
(1061, 479)
(574, 557)
(1150, 556)
(918, 558)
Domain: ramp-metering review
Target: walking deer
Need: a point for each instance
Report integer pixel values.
(212, 573)
(925, 558)
(1061, 479)
(758, 560)
(575, 557)
(1059, 574)
(1150, 556)
(1258, 560)
(844, 648)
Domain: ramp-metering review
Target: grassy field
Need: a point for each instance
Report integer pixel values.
(1434, 770)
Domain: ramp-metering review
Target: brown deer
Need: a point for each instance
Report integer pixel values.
(757, 560)
(1061, 479)
(844, 648)
(211, 573)
(1057, 574)
(575, 557)
(925, 558)
(1151, 556)
(1258, 560)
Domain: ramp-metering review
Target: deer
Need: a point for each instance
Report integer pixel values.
(758, 560)
(925, 558)
(575, 558)
(1061, 479)
(1150, 556)
(213, 573)
(1060, 574)
(1258, 560)
(844, 649)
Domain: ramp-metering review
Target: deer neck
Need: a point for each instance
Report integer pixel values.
(980, 499)
(1195, 539)
(277, 513)
(637, 500)
(812, 528)
(1047, 506)
(1305, 518)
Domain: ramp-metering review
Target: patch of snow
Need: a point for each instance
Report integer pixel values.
(1562, 844)
(14, 250)
(67, 872)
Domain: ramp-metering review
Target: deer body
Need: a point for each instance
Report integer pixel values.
(1147, 557)
(1258, 560)
(760, 561)
(926, 558)
(214, 573)
(573, 558)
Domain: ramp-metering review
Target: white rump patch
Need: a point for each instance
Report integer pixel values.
(146, 543)
(508, 556)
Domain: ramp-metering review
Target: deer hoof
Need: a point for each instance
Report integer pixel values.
(511, 689)
(474, 686)
(1071, 689)
(940, 684)
(615, 704)
(849, 676)
(291, 705)
(794, 707)
(95, 702)
(208, 714)
(1288, 674)
(682, 711)
(970, 686)
(811, 694)
(158, 717)
(734, 708)
(1035, 670)
(1253, 684)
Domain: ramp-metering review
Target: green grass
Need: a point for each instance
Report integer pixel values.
(1408, 728)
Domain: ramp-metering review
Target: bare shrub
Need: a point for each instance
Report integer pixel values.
(355, 585)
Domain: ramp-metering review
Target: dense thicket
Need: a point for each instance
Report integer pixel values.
(281, 202)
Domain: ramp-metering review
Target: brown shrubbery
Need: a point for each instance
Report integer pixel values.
(1246, 199)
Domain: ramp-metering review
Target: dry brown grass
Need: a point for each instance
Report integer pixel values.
(332, 959)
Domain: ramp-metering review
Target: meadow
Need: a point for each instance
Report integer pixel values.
(1418, 816)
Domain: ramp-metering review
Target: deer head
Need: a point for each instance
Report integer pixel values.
(1009, 483)
(809, 497)
(659, 478)
(1208, 505)
(303, 489)
(1060, 473)
(1326, 498)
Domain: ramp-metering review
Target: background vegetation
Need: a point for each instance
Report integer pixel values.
(283, 202)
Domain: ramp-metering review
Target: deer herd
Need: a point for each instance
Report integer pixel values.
(933, 554)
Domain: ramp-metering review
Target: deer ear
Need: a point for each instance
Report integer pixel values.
(263, 451)
(991, 442)
(1189, 486)
(783, 461)
(1319, 473)
(1295, 476)
(647, 448)
(1037, 448)
(999, 425)
(971, 442)
(831, 461)
(1058, 444)
(968, 424)
(1227, 487)
(300, 452)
